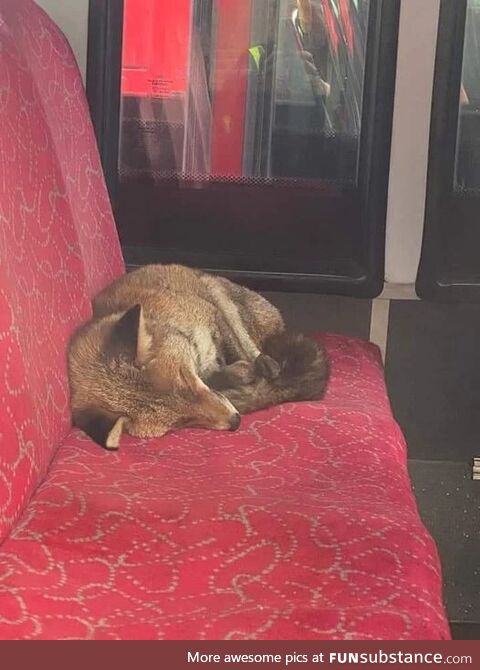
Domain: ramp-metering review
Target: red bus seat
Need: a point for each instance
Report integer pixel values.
(300, 525)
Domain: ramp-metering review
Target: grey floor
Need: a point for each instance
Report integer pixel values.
(449, 504)
(465, 631)
(433, 377)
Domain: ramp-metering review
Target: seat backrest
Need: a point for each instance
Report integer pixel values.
(58, 244)
(60, 90)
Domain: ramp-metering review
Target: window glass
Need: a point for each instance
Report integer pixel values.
(242, 91)
(467, 167)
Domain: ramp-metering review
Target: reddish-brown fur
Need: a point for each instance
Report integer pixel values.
(163, 342)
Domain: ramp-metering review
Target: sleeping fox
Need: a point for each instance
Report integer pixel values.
(170, 347)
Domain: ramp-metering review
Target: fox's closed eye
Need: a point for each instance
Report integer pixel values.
(188, 394)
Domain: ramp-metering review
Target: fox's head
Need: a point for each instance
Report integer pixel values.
(119, 383)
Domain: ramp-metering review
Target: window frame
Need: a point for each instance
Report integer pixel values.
(442, 276)
(103, 90)
(103, 85)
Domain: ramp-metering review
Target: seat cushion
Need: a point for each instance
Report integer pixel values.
(300, 525)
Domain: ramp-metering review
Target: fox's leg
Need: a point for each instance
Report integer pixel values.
(249, 352)
(233, 375)
(244, 344)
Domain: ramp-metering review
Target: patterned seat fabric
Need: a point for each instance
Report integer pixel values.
(55, 222)
(300, 525)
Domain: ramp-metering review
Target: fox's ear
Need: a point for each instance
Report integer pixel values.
(105, 428)
(130, 337)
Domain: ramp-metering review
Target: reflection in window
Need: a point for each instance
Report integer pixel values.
(242, 90)
(467, 172)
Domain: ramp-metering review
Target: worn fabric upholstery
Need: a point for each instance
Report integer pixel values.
(55, 221)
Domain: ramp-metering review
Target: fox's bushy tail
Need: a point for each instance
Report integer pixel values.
(304, 372)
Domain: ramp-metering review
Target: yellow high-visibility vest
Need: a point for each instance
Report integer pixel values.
(257, 53)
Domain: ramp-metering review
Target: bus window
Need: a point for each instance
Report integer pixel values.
(467, 163)
(227, 90)
(449, 267)
(254, 136)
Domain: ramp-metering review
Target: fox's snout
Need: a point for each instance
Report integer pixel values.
(235, 422)
(217, 412)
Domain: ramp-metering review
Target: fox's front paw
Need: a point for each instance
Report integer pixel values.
(237, 374)
(241, 372)
(267, 367)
